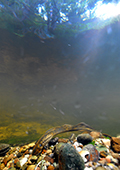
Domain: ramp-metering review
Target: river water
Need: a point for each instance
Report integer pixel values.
(46, 83)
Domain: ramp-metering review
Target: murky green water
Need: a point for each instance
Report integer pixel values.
(53, 82)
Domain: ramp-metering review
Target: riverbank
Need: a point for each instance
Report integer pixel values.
(93, 151)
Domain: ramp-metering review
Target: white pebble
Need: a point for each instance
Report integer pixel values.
(27, 156)
(23, 161)
(78, 149)
(88, 168)
(84, 153)
(30, 151)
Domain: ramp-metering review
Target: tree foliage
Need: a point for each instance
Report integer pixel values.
(45, 17)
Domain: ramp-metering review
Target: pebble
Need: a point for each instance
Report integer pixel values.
(69, 158)
(53, 141)
(94, 154)
(50, 167)
(49, 151)
(17, 163)
(2, 166)
(100, 168)
(72, 137)
(85, 155)
(115, 144)
(88, 168)
(63, 140)
(31, 167)
(84, 139)
(65, 154)
(23, 161)
(95, 134)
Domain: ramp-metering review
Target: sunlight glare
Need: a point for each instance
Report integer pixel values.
(106, 11)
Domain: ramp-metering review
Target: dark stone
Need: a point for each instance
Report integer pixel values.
(69, 158)
(84, 139)
(53, 141)
(4, 148)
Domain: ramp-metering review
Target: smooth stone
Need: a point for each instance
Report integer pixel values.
(23, 161)
(31, 167)
(94, 154)
(115, 144)
(4, 148)
(69, 158)
(95, 134)
(50, 167)
(88, 168)
(100, 168)
(49, 151)
(2, 166)
(63, 140)
(84, 139)
(53, 141)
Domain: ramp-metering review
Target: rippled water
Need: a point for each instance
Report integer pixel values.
(53, 82)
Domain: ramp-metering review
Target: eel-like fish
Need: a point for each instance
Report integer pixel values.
(83, 127)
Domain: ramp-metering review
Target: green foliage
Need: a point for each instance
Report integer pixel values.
(22, 16)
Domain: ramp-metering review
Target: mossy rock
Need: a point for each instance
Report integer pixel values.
(69, 158)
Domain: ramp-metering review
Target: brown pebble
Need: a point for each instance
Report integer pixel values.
(63, 140)
(103, 154)
(95, 134)
(115, 144)
(47, 158)
(115, 155)
(5, 160)
(50, 167)
(102, 161)
(100, 168)
(38, 168)
(31, 167)
(2, 166)
(8, 158)
(49, 151)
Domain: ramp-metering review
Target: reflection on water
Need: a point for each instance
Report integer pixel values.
(52, 82)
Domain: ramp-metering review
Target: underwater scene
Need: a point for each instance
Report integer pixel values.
(59, 64)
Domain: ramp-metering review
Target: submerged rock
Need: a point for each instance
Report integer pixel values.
(115, 144)
(84, 139)
(69, 158)
(94, 154)
(4, 148)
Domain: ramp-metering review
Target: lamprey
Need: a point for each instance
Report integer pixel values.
(83, 127)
